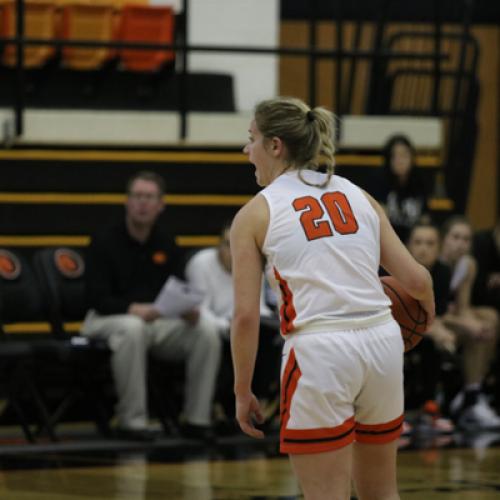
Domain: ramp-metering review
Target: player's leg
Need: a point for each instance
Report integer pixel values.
(379, 415)
(321, 375)
(324, 476)
(374, 471)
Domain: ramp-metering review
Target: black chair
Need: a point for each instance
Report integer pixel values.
(61, 274)
(21, 301)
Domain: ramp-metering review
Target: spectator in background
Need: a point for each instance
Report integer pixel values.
(476, 327)
(487, 253)
(209, 270)
(424, 245)
(126, 268)
(486, 290)
(401, 189)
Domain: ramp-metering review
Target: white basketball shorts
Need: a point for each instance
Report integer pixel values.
(341, 386)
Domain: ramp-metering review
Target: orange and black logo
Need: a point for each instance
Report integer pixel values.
(10, 267)
(160, 257)
(69, 263)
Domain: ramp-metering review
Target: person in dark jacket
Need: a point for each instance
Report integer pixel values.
(401, 189)
(486, 249)
(126, 268)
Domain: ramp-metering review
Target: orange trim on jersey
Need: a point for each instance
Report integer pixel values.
(318, 440)
(379, 433)
(287, 309)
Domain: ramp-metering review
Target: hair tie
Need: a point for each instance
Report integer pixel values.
(310, 115)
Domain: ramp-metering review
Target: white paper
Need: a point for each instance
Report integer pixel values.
(177, 297)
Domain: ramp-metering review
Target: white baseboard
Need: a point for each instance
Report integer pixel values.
(157, 129)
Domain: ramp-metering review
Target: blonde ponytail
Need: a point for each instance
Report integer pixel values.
(307, 133)
(323, 120)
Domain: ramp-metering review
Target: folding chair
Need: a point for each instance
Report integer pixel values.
(61, 274)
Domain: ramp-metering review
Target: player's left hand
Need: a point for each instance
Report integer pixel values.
(247, 413)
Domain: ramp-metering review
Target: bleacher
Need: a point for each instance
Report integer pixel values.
(60, 197)
(74, 77)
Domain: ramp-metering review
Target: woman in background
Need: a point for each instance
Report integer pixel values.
(401, 189)
(475, 327)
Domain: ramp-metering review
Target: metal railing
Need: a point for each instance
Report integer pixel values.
(184, 49)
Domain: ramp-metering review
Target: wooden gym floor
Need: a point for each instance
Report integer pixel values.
(458, 467)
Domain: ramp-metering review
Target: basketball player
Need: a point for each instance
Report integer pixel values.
(323, 238)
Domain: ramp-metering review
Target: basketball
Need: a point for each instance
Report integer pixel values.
(406, 310)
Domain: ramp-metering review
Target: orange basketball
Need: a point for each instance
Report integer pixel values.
(406, 310)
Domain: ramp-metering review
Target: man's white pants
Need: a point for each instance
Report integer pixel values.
(131, 339)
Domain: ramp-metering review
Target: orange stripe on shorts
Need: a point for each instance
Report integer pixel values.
(379, 433)
(317, 440)
(307, 440)
(289, 383)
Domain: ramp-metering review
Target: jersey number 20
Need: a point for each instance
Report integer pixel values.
(337, 207)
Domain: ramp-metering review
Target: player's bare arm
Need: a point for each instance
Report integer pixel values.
(246, 235)
(397, 260)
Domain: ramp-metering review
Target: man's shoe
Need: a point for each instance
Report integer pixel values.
(143, 435)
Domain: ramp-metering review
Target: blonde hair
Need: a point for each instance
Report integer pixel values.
(307, 133)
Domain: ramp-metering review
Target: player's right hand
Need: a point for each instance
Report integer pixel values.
(247, 412)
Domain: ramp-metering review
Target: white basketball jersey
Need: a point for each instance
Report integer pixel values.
(323, 251)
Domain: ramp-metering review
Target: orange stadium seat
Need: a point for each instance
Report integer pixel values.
(39, 23)
(87, 22)
(147, 24)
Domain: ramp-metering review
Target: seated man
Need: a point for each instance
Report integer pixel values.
(209, 270)
(126, 268)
